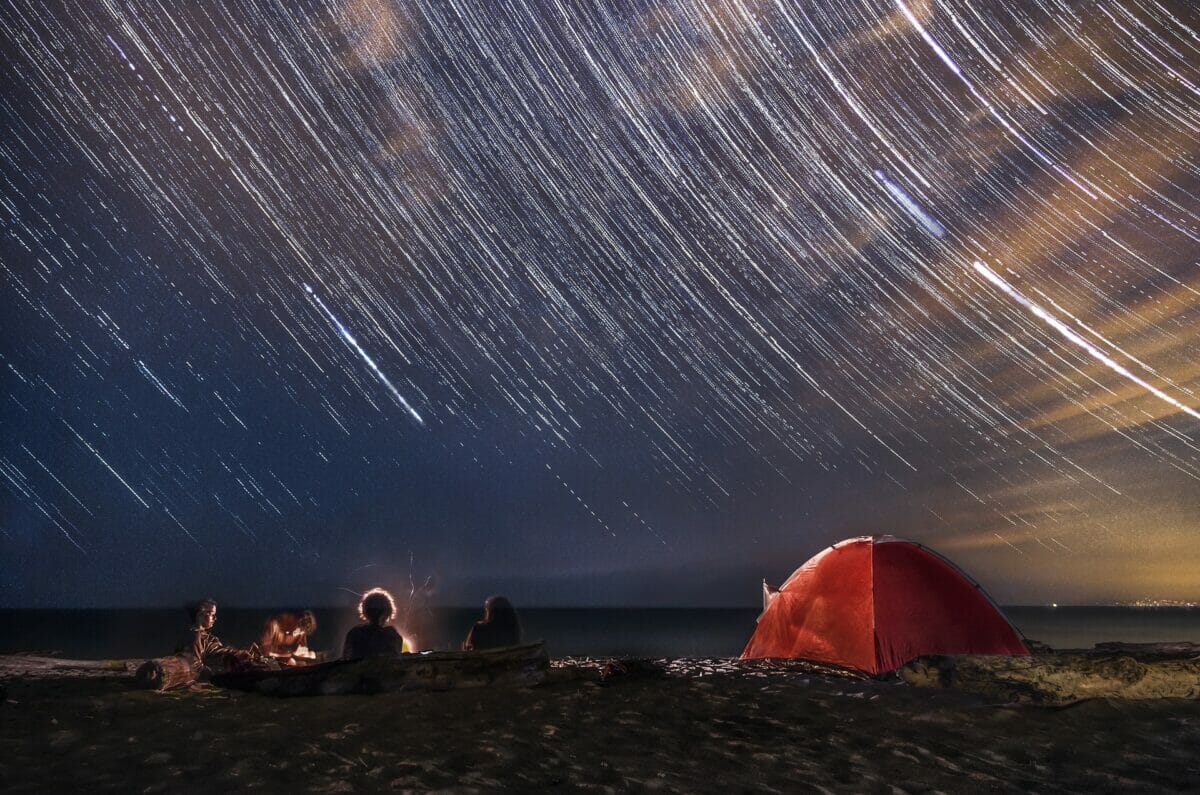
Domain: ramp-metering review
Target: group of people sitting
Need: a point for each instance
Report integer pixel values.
(284, 639)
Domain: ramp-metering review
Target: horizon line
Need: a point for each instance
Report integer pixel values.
(1183, 604)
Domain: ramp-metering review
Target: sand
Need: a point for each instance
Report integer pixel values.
(683, 725)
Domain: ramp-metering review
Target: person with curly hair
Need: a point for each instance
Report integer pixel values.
(374, 637)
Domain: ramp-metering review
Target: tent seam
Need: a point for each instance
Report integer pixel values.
(874, 624)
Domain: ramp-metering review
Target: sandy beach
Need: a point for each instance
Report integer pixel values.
(675, 725)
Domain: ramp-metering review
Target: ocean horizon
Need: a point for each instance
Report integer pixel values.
(568, 631)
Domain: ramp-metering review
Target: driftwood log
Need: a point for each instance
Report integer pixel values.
(513, 666)
(32, 666)
(166, 673)
(1061, 677)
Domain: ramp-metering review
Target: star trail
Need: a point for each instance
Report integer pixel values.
(596, 302)
(353, 343)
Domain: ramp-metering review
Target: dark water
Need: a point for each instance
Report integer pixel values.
(1084, 627)
(567, 631)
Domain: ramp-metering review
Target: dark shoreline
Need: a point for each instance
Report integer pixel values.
(689, 725)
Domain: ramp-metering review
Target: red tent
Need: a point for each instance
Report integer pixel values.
(876, 602)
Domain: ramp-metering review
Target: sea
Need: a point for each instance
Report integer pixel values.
(595, 632)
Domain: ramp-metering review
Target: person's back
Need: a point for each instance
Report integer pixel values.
(498, 628)
(373, 638)
(369, 640)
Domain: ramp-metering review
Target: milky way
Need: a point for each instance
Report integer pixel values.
(582, 299)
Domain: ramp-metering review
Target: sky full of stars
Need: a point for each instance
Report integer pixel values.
(604, 303)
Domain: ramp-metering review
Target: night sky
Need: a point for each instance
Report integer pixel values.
(629, 303)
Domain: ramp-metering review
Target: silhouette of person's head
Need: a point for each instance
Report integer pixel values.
(500, 613)
(377, 607)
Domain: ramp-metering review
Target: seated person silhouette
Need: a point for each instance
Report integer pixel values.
(285, 637)
(203, 650)
(498, 627)
(374, 637)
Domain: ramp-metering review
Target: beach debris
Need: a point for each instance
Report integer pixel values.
(1062, 677)
(1173, 649)
(611, 669)
(631, 668)
(607, 669)
(166, 673)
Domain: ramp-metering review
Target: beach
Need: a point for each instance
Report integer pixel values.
(673, 725)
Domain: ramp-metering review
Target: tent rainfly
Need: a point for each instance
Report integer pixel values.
(875, 602)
